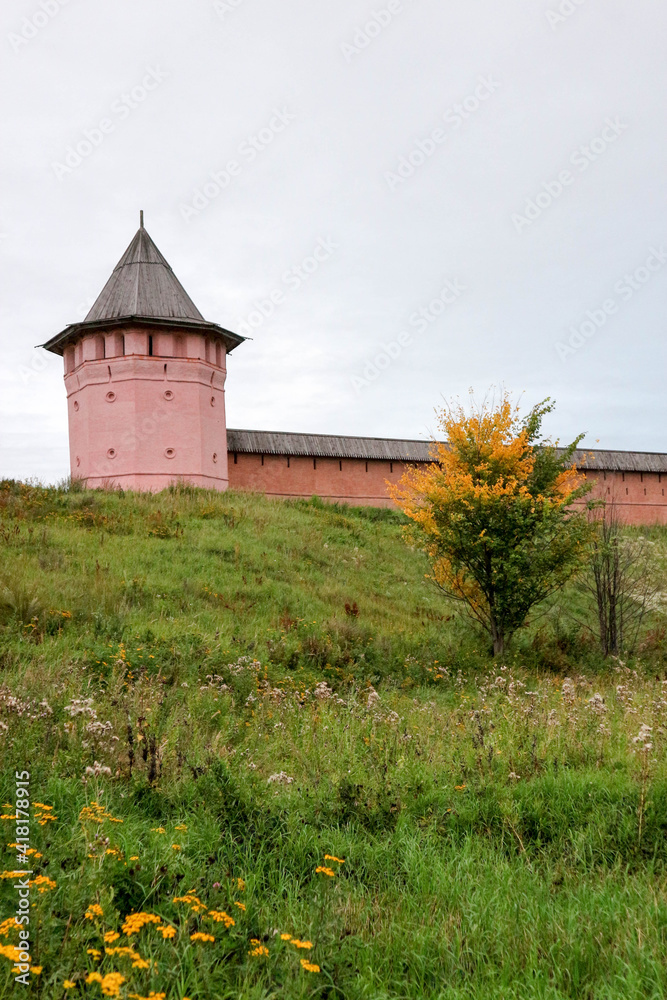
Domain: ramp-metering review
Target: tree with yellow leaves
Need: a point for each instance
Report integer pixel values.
(494, 512)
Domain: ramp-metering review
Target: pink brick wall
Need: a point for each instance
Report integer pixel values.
(640, 496)
(352, 481)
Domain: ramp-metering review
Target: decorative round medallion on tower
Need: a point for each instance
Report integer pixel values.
(145, 348)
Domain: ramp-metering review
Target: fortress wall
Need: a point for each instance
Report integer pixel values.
(640, 496)
(353, 481)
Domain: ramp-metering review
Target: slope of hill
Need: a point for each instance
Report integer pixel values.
(262, 762)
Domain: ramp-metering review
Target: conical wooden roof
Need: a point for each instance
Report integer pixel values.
(143, 290)
(143, 284)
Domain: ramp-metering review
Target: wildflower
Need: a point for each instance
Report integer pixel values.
(136, 921)
(241, 884)
(309, 966)
(111, 936)
(281, 778)
(8, 925)
(241, 906)
(181, 826)
(168, 932)
(460, 788)
(110, 984)
(97, 769)
(198, 936)
(135, 857)
(221, 917)
(94, 952)
(175, 847)
(36, 969)
(158, 829)
(69, 985)
(129, 952)
(325, 871)
(26, 850)
(11, 952)
(195, 904)
(285, 937)
(141, 963)
(94, 910)
(151, 996)
(259, 951)
(42, 883)
(330, 857)
(302, 944)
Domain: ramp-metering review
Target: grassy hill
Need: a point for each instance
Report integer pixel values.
(219, 697)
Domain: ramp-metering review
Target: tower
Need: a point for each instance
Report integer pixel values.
(145, 376)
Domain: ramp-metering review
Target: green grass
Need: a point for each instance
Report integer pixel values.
(502, 834)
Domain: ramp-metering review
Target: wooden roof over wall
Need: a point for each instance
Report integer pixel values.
(407, 450)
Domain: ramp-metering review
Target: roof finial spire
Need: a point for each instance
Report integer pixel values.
(141, 219)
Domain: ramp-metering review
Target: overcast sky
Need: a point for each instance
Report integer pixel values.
(484, 184)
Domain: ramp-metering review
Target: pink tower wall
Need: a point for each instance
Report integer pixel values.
(143, 421)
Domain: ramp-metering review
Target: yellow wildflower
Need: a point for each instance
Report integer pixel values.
(181, 826)
(330, 857)
(241, 906)
(221, 917)
(36, 969)
(241, 884)
(136, 921)
(175, 847)
(459, 788)
(111, 936)
(168, 932)
(259, 950)
(198, 936)
(110, 984)
(158, 829)
(285, 937)
(69, 985)
(302, 944)
(42, 883)
(309, 966)
(135, 857)
(11, 952)
(8, 925)
(325, 871)
(94, 910)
